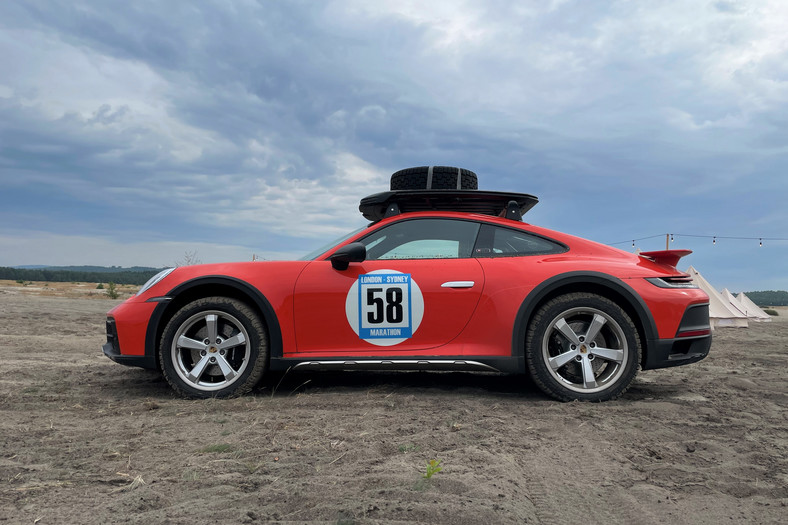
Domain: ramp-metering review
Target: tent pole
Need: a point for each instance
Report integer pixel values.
(667, 241)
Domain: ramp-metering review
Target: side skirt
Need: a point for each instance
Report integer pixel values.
(508, 365)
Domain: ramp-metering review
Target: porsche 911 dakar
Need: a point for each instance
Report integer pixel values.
(444, 277)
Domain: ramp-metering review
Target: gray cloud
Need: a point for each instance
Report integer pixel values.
(178, 122)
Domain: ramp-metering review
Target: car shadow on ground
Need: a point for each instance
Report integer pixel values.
(145, 384)
(289, 383)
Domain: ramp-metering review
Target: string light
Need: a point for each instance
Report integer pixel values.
(712, 237)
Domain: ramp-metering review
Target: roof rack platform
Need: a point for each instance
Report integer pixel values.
(496, 203)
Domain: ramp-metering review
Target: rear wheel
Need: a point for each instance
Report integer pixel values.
(214, 347)
(582, 346)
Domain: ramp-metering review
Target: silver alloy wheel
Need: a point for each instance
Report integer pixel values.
(585, 350)
(210, 350)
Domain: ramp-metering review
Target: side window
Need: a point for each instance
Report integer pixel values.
(423, 239)
(495, 241)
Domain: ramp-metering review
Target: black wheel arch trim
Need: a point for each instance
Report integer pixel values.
(258, 299)
(551, 285)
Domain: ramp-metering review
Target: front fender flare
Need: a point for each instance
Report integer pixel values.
(241, 288)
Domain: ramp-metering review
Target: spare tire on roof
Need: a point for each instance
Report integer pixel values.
(434, 178)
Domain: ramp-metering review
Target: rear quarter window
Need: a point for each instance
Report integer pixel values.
(496, 241)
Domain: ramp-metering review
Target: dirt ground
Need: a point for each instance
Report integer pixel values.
(85, 440)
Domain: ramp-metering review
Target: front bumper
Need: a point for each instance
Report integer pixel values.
(111, 349)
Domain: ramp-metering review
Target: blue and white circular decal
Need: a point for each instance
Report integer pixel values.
(384, 307)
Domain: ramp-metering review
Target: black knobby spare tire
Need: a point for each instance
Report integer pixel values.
(434, 178)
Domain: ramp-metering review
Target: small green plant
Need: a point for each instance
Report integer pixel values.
(20, 281)
(771, 312)
(112, 293)
(408, 447)
(100, 286)
(433, 467)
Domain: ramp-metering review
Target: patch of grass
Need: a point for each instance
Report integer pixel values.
(190, 475)
(773, 313)
(408, 447)
(100, 286)
(221, 448)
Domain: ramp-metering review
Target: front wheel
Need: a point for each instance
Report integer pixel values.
(582, 346)
(214, 347)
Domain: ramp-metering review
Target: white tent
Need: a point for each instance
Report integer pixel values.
(733, 303)
(752, 310)
(721, 311)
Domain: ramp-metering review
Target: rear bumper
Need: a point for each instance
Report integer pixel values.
(691, 344)
(663, 353)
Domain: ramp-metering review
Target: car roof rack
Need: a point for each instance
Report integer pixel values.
(496, 203)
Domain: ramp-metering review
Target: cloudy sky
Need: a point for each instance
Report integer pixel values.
(134, 132)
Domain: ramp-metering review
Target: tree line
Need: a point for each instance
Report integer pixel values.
(66, 276)
(769, 298)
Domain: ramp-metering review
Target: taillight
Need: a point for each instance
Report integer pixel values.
(677, 281)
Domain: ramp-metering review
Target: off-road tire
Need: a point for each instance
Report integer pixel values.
(563, 365)
(235, 324)
(443, 178)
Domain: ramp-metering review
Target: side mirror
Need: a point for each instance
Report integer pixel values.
(353, 252)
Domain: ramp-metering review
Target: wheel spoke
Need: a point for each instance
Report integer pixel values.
(562, 359)
(609, 354)
(195, 373)
(596, 325)
(227, 370)
(236, 340)
(188, 342)
(589, 381)
(210, 324)
(562, 326)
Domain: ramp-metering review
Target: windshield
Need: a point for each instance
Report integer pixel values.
(311, 256)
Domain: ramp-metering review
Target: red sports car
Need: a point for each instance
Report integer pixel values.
(445, 277)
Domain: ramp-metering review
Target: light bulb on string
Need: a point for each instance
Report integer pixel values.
(671, 237)
(760, 242)
(714, 240)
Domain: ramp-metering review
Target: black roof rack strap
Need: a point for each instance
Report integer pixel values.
(459, 178)
(429, 178)
(513, 211)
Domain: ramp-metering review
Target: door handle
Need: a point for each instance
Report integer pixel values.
(458, 284)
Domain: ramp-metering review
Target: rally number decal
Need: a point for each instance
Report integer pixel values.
(384, 307)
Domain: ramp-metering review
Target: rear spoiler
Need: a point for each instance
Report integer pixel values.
(667, 257)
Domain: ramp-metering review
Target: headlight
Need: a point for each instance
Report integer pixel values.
(153, 280)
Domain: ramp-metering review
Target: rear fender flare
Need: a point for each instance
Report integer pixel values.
(594, 282)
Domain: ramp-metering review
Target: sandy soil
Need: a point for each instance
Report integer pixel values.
(85, 440)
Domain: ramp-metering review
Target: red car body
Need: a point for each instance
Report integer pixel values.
(475, 312)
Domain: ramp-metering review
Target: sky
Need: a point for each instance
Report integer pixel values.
(133, 133)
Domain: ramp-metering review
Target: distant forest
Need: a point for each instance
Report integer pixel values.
(769, 298)
(89, 274)
(139, 275)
